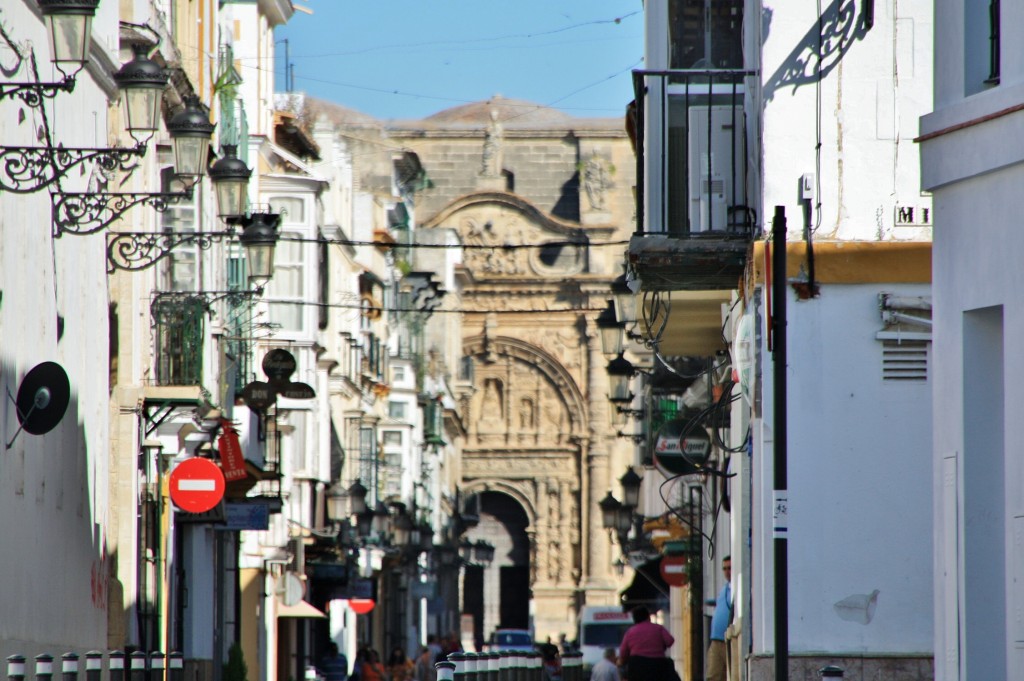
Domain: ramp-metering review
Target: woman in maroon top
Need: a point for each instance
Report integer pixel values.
(642, 651)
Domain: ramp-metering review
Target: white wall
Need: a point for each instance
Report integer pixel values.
(54, 487)
(865, 114)
(860, 483)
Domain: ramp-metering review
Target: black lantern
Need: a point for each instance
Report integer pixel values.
(364, 523)
(381, 519)
(611, 331)
(426, 536)
(625, 301)
(609, 508)
(623, 521)
(620, 370)
(337, 504)
(69, 26)
(630, 488)
(357, 497)
(142, 83)
(402, 527)
(483, 551)
(230, 177)
(190, 129)
(259, 237)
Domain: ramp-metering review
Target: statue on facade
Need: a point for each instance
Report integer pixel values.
(595, 181)
(490, 165)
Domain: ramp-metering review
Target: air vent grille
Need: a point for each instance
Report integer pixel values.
(905, 360)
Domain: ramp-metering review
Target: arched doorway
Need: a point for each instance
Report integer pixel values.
(498, 594)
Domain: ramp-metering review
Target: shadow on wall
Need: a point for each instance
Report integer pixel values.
(823, 46)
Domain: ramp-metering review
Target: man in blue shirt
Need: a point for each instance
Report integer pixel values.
(717, 650)
(334, 666)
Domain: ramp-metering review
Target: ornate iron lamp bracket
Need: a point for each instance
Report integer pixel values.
(134, 251)
(28, 169)
(88, 213)
(33, 94)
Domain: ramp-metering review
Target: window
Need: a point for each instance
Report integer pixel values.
(288, 285)
(398, 374)
(705, 34)
(393, 438)
(178, 335)
(397, 410)
(291, 208)
(182, 271)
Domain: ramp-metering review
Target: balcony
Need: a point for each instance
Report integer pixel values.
(696, 216)
(178, 335)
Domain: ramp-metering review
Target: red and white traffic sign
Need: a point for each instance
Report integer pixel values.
(197, 485)
(673, 570)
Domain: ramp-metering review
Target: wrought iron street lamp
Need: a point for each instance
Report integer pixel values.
(230, 177)
(611, 330)
(69, 28)
(609, 511)
(620, 371)
(142, 82)
(259, 237)
(190, 130)
(630, 482)
(357, 498)
(624, 300)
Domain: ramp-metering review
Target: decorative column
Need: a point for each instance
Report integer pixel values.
(597, 563)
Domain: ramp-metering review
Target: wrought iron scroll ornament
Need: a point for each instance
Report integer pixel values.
(33, 94)
(27, 169)
(135, 251)
(88, 213)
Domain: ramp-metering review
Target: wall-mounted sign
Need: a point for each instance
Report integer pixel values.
(681, 447)
(278, 365)
(197, 485)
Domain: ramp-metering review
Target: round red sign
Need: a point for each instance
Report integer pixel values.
(673, 570)
(197, 485)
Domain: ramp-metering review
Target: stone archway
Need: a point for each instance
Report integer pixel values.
(525, 442)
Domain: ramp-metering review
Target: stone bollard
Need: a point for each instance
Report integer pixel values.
(116, 665)
(69, 667)
(93, 665)
(44, 667)
(831, 672)
(445, 670)
(15, 668)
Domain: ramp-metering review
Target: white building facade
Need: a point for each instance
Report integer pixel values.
(974, 176)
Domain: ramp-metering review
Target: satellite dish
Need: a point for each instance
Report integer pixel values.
(43, 398)
(292, 590)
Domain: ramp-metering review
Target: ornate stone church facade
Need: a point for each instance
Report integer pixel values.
(542, 203)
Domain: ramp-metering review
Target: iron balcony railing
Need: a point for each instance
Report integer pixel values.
(178, 337)
(692, 144)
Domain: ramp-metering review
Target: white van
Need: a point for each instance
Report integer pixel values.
(601, 627)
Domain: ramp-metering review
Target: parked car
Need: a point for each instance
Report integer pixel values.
(510, 639)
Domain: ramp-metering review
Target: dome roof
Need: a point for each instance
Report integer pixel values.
(515, 112)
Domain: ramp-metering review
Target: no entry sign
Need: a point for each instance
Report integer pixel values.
(197, 485)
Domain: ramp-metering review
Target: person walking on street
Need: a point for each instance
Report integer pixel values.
(605, 669)
(334, 666)
(718, 661)
(643, 647)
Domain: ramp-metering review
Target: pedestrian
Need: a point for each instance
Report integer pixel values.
(424, 669)
(643, 647)
(372, 669)
(436, 651)
(334, 665)
(718, 661)
(400, 667)
(605, 669)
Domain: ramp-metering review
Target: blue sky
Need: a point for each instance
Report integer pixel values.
(413, 58)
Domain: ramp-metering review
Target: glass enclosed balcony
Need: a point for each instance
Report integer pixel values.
(695, 212)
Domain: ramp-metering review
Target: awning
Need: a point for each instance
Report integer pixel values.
(648, 588)
(300, 609)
